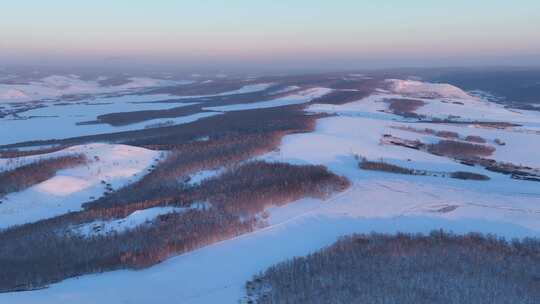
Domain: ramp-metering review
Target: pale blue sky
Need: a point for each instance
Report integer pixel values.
(268, 32)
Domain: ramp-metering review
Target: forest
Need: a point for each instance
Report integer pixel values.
(406, 268)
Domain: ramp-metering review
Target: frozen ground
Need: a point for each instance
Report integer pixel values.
(56, 86)
(116, 165)
(376, 201)
(132, 221)
(135, 219)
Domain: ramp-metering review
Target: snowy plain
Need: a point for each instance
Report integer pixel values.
(376, 201)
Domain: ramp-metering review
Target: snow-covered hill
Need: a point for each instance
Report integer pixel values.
(376, 201)
(420, 89)
(109, 166)
(55, 86)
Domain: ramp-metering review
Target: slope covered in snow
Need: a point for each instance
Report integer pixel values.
(427, 90)
(376, 201)
(59, 85)
(109, 166)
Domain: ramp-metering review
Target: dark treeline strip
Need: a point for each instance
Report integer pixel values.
(14, 153)
(403, 268)
(468, 176)
(383, 166)
(26, 176)
(238, 123)
(457, 149)
(126, 118)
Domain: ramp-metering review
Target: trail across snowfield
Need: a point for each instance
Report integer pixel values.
(376, 201)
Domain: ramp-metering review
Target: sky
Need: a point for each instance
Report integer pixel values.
(266, 34)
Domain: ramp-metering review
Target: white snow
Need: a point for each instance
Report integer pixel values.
(58, 85)
(198, 177)
(59, 120)
(135, 219)
(296, 98)
(117, 165)
(376, 201)
(217, 273)
(427, 90)
(285, 90)
(252, 88)
(132, 221)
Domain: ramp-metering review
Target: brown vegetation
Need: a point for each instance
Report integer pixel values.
(457, 149)
(391, 168)
(251, 187)
(28, 175)
(384, 167)
(468, 175)
(405, 107)
(14, 153)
